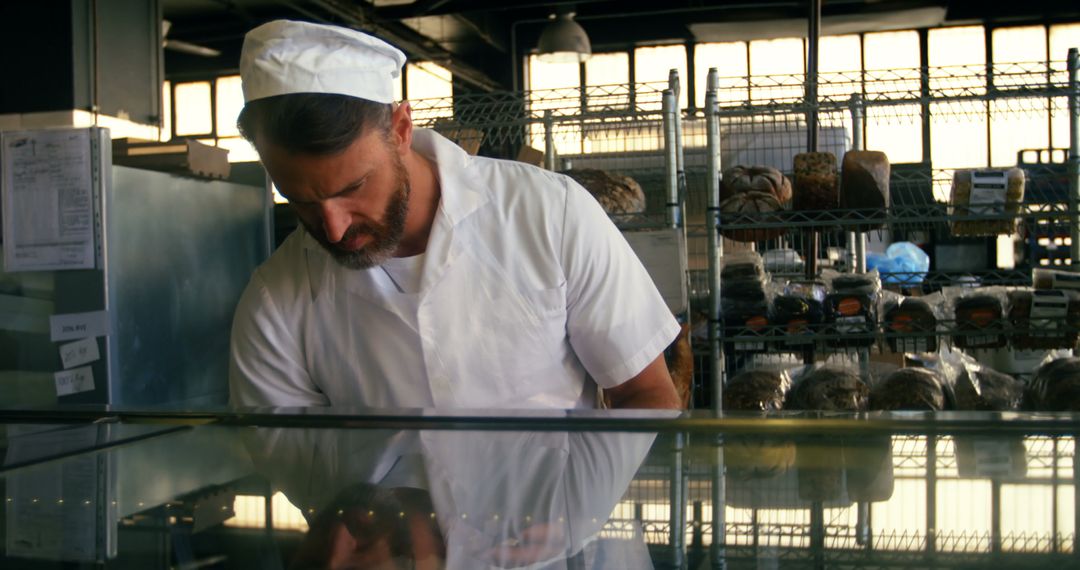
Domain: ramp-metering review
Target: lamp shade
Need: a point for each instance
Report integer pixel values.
(564, 41)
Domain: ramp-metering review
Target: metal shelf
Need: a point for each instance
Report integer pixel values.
(818, 335)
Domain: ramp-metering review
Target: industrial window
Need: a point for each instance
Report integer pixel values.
(653, 64)
(607, 69)
(1062, 37)
(207, 110)
(193, 116)
(892, 66)
(958, 129)
(1017, 124)
(428, 80)
(839, 66)
(549, 88)
(777, 70)
(729, 59)
(166, 112)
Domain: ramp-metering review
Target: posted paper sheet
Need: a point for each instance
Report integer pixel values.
(48, 200)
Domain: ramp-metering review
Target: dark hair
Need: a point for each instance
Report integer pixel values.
(312, 123)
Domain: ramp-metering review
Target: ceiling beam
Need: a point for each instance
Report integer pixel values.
(362, 16)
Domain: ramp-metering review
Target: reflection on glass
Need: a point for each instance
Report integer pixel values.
(455, 500)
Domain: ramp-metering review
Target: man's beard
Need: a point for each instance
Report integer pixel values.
(386, 235)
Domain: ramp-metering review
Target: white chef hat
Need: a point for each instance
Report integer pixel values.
(284, 56)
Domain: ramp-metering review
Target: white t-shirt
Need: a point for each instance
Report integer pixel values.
(405, 272)
(525, 285)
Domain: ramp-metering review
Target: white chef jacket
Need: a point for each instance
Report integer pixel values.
(526, 285)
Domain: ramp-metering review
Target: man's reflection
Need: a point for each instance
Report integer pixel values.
(446, 499)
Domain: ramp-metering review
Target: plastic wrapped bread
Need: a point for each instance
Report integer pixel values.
(986, 192)
(984, 389)
(1055, 387)
(864, 186)
(1044, 319)
(815, 182)
(911, 315)
(851, 308)
(828, 388)
(910, 389)
(976, 312)
(757, 390)
(798, 311)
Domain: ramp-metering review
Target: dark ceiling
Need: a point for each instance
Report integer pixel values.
(474, 38)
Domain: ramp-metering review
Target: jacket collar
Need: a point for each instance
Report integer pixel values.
(461, 195)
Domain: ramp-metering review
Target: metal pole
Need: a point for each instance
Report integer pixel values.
(857, 240)
(680, 165)
(812, 244)
(677, 500)
(1074, 155)
(715, 244)
(812, 76)
(549, 141)
(671, 159)
(716, 355)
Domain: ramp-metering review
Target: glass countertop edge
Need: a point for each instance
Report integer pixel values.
(773, 423)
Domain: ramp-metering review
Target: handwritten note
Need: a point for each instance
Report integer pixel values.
(73, 326)
(74, 381)
(79, 352)
(47, 189)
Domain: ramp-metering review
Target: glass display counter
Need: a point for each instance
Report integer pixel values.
(337, 488)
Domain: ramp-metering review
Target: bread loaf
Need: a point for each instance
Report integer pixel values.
(616, 193)
(850, 314)
(756, 390)
(744, 208)
(1055, 387)
(1044, 319)
(984, 389)
(798, 312)
(909, 389)
(740, 179)
(864, 187)
(911, 316)
(983, 193)
(829, 389)
(977, 313)
(815, 184)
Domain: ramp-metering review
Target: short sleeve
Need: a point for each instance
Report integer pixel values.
(617, 320)
(266, 363)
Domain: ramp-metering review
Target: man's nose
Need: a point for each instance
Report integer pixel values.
(336, 221)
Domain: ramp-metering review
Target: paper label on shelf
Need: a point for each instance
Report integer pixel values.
(73, 326)
(47, 188)
(1062, 280)
(749, 346)
(852, 325)
(74, 381)
(988, 191)
(1048, 311)
(913, 344)
(978, 341)
(992, 458)
(79, 352)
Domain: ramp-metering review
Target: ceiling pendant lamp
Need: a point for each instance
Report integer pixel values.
(564, 41)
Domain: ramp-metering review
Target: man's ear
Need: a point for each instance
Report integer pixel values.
(401, 127)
